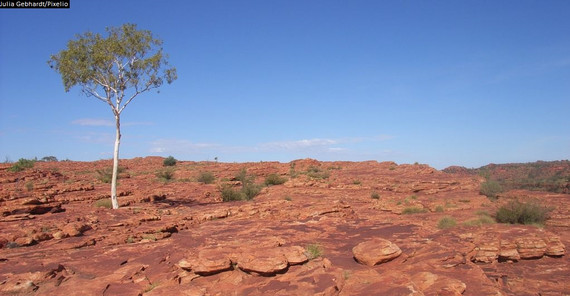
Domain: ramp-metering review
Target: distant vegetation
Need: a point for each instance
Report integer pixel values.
(106, 175)
(169, 161)
(247, 191)
(516, 212)
(553, 176)
(165, 175)
(446, 222)
(206, 177)
(490, 189)
(22, 164)
(274, 179)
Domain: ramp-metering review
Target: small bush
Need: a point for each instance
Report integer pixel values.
(165, 175)
(169, 161)
(483, 219)
(314, 251)
(48, 158)
(516, 212)
(317, 173)
(250, 190)
(375, 195)
(29, 186)
(206, 177)
(446, 222)
(490, 189)
(439, 209)
(413, 210)
(274, 179)
(104, 203)
(105, 175)
(22, 164)
(231, 194)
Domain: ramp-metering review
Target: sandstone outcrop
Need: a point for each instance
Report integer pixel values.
(333, 228)
(375, 251)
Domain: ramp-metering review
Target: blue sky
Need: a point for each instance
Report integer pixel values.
(438, 82)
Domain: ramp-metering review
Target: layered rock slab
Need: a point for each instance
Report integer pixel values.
(375, 251)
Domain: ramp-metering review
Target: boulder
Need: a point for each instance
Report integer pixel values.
(375, 251)
(263, 262)
(295, 255)
(211, 261)
(531, 247)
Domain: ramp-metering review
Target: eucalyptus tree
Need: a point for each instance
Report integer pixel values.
(114, 69)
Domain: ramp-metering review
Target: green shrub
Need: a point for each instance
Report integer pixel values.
(250, 190)
(446, 222)
(48, 158)
(490, 189)
(104, 203)
(206, 177)
(516, 212)
(274, 179)
(375, 195)
(22, 164)
(439, 209)
(105, 175)
(231, 194)
(247, 191)
(314, 251)
(317, 173)
(413, 210)
(165, 175)
(169, 161)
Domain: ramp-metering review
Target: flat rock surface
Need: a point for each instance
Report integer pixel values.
(297, 238)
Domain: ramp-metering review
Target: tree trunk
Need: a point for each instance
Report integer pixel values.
(116, 164)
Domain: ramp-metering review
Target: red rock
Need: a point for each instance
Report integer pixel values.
(375, 251)
(263, 262)
(75, 229)
(211, 261)
(531, 247)
(294, 254)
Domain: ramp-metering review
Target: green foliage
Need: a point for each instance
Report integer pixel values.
(317, 173)
(169, 161)
(516, 212)
(247, 191)
(22, 164)
(206, 177)
(230, 194)
(439, 209)
(413, 210)
(375, 195)
(166, 174)
(490, 189)
(482, 220)
(104, 203)
(91, 61)
(105, 175)
(292, 171)
(49, 158)
(314, 251)
(446, 222)
(356, 182)
(274, 179)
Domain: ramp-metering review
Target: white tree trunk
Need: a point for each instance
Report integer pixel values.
(116, 164)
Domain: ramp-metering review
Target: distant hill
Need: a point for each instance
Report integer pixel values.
(553, 176)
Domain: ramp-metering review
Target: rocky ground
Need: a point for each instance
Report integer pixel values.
(334, 228)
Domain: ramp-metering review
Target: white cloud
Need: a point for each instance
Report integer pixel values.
(297, 145)
(92, 122)
(179, 146)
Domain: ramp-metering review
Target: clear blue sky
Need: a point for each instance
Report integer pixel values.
(437, 82)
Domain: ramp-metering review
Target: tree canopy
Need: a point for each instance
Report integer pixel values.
(114, 69)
